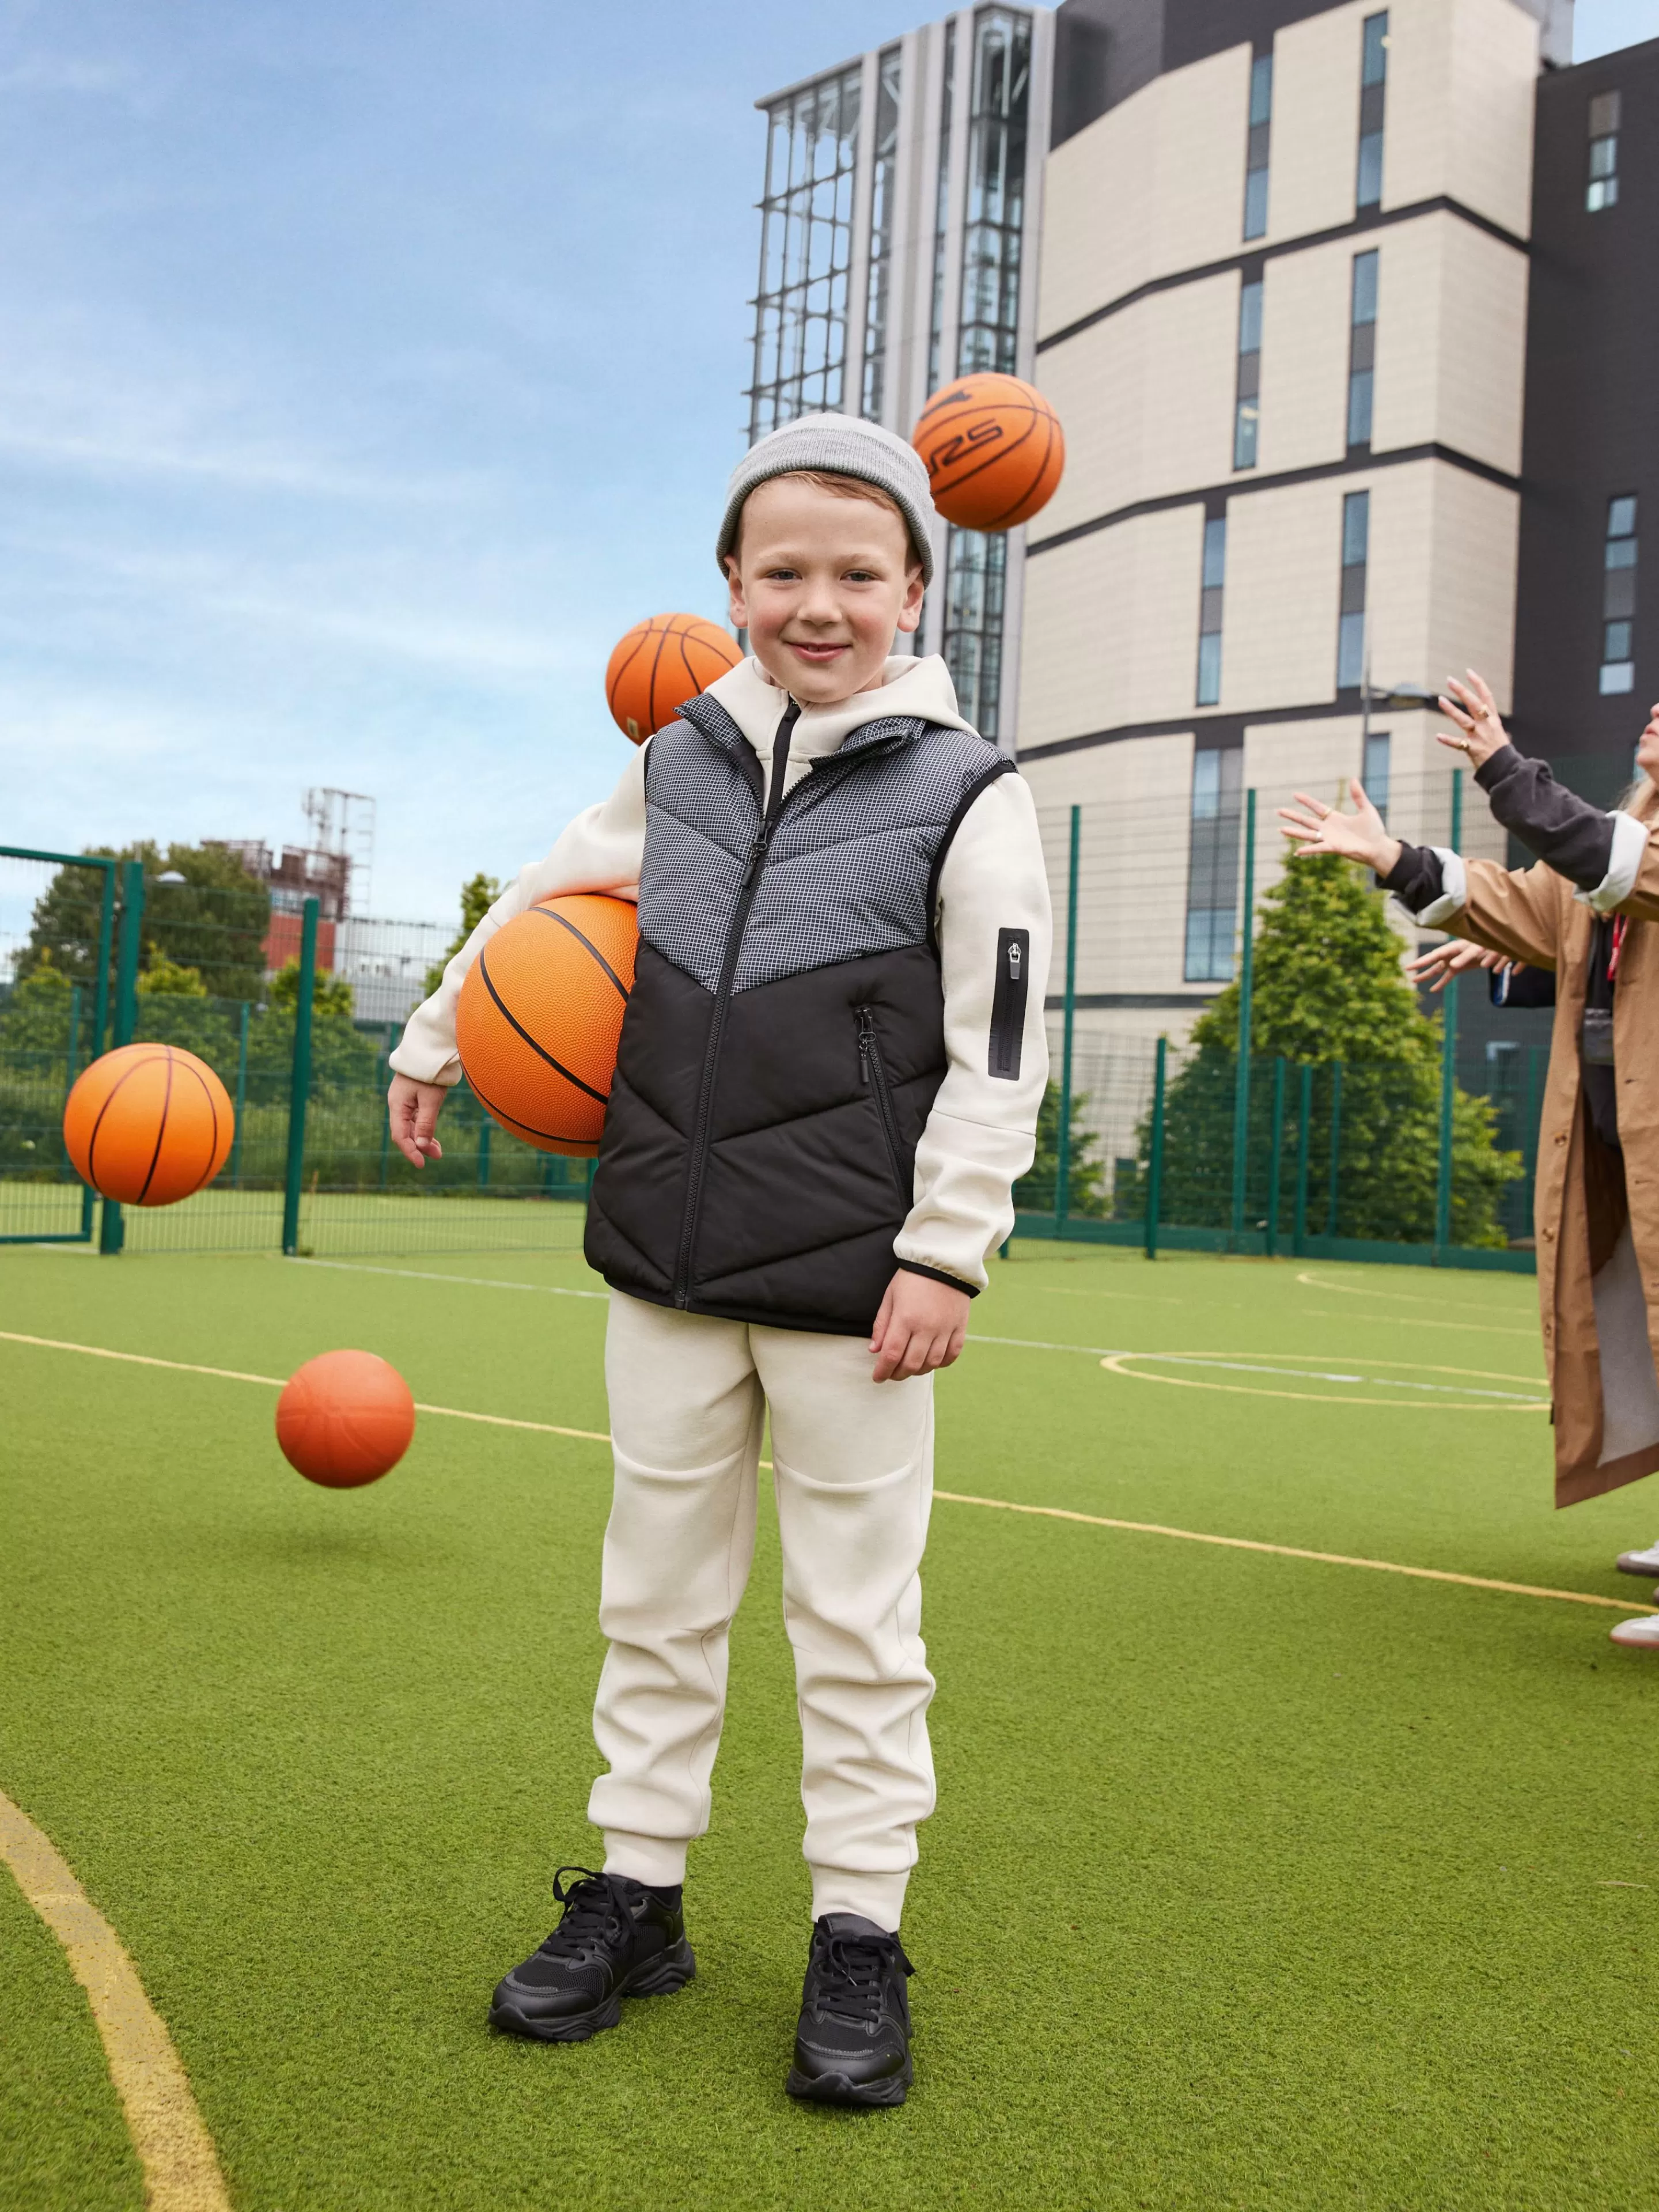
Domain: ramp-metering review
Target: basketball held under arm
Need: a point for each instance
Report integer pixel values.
(602, 850)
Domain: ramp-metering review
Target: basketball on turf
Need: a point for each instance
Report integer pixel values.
(540, 1017)
(344, 1419)
(148, 1124)
(993, 448)
(659, 664)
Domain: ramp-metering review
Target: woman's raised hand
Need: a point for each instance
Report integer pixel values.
(1440, 962)
(1314, 828)
(1474, 710)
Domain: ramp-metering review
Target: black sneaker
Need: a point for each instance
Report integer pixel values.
(616, 1939)
(853, 2044)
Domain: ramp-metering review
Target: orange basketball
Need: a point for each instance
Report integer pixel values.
(660, 663)
(344, 1419)
(148, 1124)
(540, 1016)
(993, 448)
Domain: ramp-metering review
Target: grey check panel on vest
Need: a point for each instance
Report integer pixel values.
(851, 859)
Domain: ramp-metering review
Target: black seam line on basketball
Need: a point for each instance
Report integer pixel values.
(1442, 203)
(603, 1097)
(998, 453)
(611, 687)
(553, 1136)
(209, 1170)
(564, 923)
(1002, 521)
(161, 1133)
(1243, 487)
(92, 1141)
(663, 636)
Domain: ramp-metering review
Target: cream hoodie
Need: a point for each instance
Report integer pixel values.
(979, 1136)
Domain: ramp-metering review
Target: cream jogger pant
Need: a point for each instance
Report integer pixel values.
(853, 1470)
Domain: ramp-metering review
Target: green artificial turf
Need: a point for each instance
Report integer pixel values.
(1254, 1882)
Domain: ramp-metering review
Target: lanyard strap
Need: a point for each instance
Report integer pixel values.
(1620, 923)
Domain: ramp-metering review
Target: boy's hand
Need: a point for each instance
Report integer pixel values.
(921, 1326)
(413, 1108)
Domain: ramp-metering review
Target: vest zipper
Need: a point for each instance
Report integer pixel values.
(873, 1068)
(697, 1159)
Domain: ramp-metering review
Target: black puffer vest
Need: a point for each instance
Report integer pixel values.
(786, 1036)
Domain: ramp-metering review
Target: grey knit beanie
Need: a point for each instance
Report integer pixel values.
(847, 446)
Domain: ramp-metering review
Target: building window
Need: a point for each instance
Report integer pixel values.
(1247, 406)
(942, 207)
(1374, 769)
(1602, 189)
(1212, 864)
(975, 573)
(1256, 158)
(1350, 622)
(1373, 85)
(1362, 349)
(996, 192)
(1618, 598)
(1209, 610)
(807, 239)
(884, 175)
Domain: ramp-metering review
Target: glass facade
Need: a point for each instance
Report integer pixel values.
(1374, 769)
(1212, 863)
(806, 243)
(1373, 89)
(976, 566)
(1351, 622)
(1602, 189)
(883, 179)
(942, 209)
(1618, 598)
(1259, 146)
(1211, 595)
(1247, 416)
(1362, 349)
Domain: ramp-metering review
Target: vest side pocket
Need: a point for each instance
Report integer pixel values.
(873, 1069)
(1008, 1003)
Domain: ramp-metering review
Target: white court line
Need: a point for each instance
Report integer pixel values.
(426, 1275)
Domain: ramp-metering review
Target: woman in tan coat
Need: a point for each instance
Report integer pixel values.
(1586, 910)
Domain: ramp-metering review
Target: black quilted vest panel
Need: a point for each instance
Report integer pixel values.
(785, 1037)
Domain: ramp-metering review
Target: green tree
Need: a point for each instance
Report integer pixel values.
(478, 896)
(342, 1057)
(1327, 988)
(214, 922)
(1035, 1192)
(38, 1014)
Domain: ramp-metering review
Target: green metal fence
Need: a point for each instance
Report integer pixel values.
(1150, 1142)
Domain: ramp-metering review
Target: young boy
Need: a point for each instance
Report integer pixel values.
(829, 1081)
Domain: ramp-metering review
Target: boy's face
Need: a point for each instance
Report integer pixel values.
(821, 583)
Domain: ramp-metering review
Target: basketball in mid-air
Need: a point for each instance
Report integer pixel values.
(993, 448)
(148, 1124)
(659, 664)
(344, 1419)
(540, 1017)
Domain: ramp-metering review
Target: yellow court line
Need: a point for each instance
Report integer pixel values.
(949, 1497)
(1293, 1551)
(181, 2171)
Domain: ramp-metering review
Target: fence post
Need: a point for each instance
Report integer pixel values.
(1336, 1146)
(100, 1007)
(485, 1124)
(300, 1089)
(112, 1230)
(1304, 1131)
(1273, 1163)
(1063, 1140)
(1154, 1161)
(1443, 1192)
(1246, 980)
(241, 1098)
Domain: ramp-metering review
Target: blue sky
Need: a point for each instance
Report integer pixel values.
(366, 370)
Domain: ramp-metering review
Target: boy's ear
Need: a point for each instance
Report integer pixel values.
(909, 617)
(739, 610)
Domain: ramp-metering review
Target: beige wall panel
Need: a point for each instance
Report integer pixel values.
(1471, 590)
(1281, 759)
(1147, 399)
(1411, 329)
(1284, 554)
(1305, 307)
(1483, 287)
(1315, 136)
(1155, 186)
(1111, 634)
(1400, 577)
(1450, 60)
(1136, 797)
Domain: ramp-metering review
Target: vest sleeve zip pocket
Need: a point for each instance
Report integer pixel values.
(1008, 1002)
(873, 1069)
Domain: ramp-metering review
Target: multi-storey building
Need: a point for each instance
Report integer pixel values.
(902, 191)
(1343, 308)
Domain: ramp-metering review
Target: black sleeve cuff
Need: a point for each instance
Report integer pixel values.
(1554, 823)
(1416, 878)
(939, 1275)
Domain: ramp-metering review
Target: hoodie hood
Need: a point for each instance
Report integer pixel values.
(922, 687)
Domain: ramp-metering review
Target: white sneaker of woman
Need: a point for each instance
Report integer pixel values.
(1640, 1635)
(1640, 1563)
